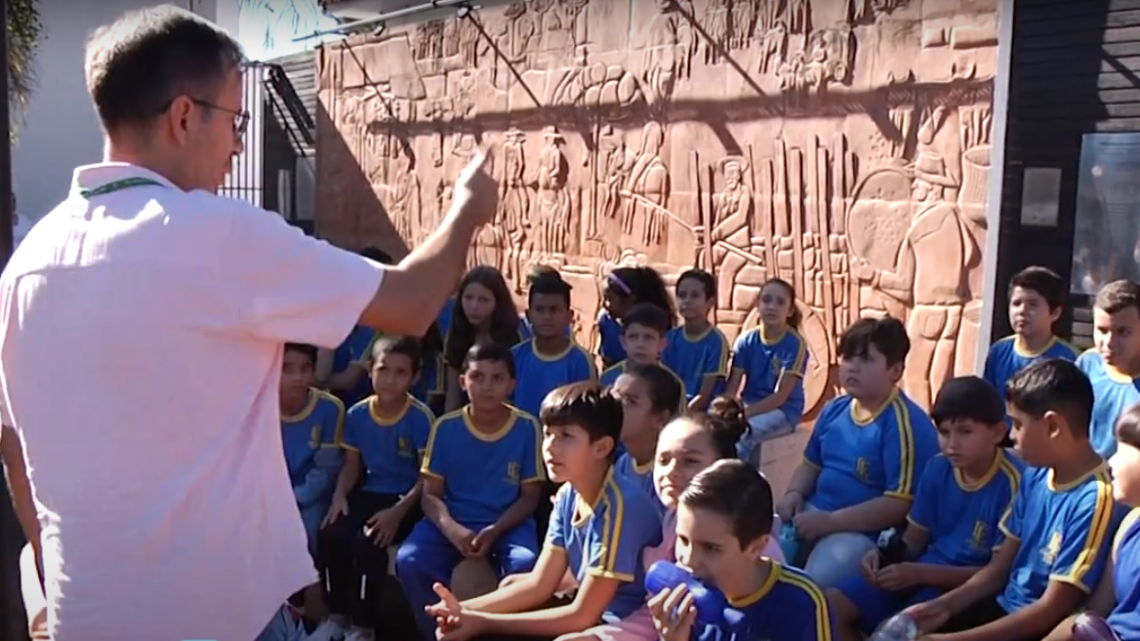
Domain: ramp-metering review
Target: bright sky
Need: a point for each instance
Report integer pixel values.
(267, 28)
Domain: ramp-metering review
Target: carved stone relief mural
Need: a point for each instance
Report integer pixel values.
(841, 146)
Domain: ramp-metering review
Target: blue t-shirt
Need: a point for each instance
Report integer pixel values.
(390, 447)
(319, 426)
(1065, 533)
(1125, 617)
(697, 358)
(537, 375)
(764, 359)
(356, 348)
(1007, 357)
(863, 459)
(640, 475)
(611, 374)
(788, 607)
(609, 339)
(483, 473)
(606, 539)
(1114, 392)
(963, 518)
(431, 384)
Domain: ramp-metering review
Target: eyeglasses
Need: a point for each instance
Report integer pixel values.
(241, 118)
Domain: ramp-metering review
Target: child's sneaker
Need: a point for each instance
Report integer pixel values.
(329, 630)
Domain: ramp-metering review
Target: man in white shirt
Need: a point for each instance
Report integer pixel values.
(141, 332)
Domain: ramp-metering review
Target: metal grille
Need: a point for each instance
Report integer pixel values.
(245, 180)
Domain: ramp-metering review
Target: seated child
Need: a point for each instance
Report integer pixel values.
(600, 525)
(697, 350)
(724, 521)
(644, 329)
(864, 457)
(550, 359)
(772, 359)
(384, 438)
(1058, 529)
(688, 445)
(1114, 367)
(311, 426)
(627, 287)
(526, 325)
(649, 395)
(482, 479)
(485, 313)
(953, 522)
(1036, 299)
(1117, 596)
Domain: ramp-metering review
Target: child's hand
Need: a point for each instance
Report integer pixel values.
(382, 527)
(483, 541)
(789, 506)
(929, 616)
(813, 526)
(337, 509)
(461, 538)
(869, 567)
(673, 613)
(900, 576)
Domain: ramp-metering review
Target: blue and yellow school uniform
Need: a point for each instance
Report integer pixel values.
(538, 374)
(609, 332)
(1125, 617)
(764, 359)
(864, 458)
(611, 374)
(641, 475)
(1065, 533)
(606, 538)
(311, 440)
(1115, 392)
(697, 358)
(961, 519)
(526, 329)
(482, 476)
(1009, 356)
(788, 607)
(355, 349)
(390, 447)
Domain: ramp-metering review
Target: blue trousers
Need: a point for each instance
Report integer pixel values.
(427, 557)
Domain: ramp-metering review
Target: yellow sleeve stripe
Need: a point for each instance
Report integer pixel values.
(801, 354)
(419, 405)
(539, 465)
(613, 515)
(822, 613)
(1012, 475)
(905, 487)
(683, 404)
(340, 412)
(723, 357)
(429, 451)
(1101, 523)
(810, 464)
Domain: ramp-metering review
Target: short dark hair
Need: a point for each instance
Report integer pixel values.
(648, 315)
(490, 352)
(968, 398)
(1128, 426)
(701, 276)
(888, 335)
(737, 491)
(405, 345)
(378, 255)
(664, 388)
(587, 405)
(1118, 296)
(549, 284)
(1043, 281)
(1056, 385)
(305, 350)
(139, 63)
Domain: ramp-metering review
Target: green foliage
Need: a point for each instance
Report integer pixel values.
(24, 32)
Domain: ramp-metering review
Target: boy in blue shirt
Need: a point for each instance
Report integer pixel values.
(953, 522)
(644, 330)
(384, 439)
(311, 428)
(1113, 366)
(550, 359)
(483, 476)
(697, 350)
(601, 524)
(1036, 299)
(1058, 529)
(864, 458)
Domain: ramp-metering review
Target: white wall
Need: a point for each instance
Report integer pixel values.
(60, 130)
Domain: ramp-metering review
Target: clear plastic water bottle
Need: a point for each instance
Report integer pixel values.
(710, 602)
(901, 627)
(789, 542)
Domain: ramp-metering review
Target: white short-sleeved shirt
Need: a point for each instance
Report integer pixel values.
(141, 336)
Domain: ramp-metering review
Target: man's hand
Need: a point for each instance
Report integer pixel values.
(813, 526)
(337, 509)
(382, 527)
(481, 544)
(475, 196)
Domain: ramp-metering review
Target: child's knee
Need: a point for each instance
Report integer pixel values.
(407, 557)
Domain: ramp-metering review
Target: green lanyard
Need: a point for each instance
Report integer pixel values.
(118, 185)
